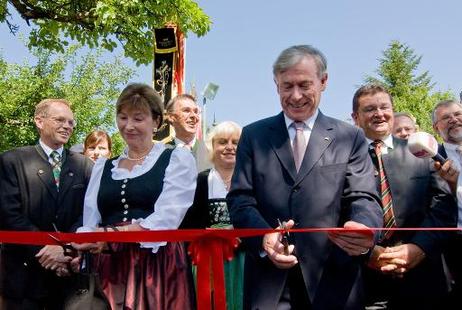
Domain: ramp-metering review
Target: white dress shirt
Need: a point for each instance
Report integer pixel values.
(309, 123)
(48, 151)
(176, 197)
(387, 144)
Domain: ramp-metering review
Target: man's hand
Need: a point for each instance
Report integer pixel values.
(353, 242)
(275, 249)
(401, 258)
(449, 173)
(52, 257)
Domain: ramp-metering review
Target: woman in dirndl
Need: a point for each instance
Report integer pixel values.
(148, 187)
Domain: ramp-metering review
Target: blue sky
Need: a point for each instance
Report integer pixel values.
(247, 36)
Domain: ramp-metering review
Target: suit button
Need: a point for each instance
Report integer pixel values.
(124, 219)
(295, 189)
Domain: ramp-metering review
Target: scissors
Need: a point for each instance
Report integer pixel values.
(285, 236)
(68, 249)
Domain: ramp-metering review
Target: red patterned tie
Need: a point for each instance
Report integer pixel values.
(385, 193)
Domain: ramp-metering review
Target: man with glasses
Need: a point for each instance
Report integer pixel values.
(183, 114)
(447, 122)
(405, 269)
(42, 189)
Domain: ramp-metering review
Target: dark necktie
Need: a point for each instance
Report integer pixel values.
(56, 166)
(299, 145)
(385, 193)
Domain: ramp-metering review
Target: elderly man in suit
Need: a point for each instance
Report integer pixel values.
(183, 114)
(42, 189)
(307, 170)
(405, 270)
(447, 122)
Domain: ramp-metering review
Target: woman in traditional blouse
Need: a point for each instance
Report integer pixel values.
(210, 208)
(148, 187)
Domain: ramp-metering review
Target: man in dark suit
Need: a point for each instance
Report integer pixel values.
(405, 269)
(42, 189)
(447, 122)
(183, 114)
(308, 170)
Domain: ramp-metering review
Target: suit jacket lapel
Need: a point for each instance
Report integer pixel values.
(45, 174)
(321, 137)
(280, 143)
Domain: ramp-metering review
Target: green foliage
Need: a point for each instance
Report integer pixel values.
(106, 23)
(411, 92)
(92, 86)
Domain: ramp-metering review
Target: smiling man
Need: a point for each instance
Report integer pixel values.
(405, 270)
(447, 122)
(42, 189)
(183, 114)
(303, 169)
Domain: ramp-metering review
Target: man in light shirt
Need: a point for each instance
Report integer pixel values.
(183, 114)
(447, 122)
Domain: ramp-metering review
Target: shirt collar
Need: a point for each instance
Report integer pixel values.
(388, 141)
(309, 123)
(48, 149)
(180, 143)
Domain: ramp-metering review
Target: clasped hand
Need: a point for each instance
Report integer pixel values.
(274, 248)
(396, 260)
(52, 257)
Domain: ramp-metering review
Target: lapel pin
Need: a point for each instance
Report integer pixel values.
(40, 171)
(326, 138)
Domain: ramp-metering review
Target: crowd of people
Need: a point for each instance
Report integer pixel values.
(297, 169)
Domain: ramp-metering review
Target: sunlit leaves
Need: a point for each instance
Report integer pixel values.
(107, 23)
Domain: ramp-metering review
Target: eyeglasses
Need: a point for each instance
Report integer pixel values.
(61, 121)
(447, 117)
(374, 109)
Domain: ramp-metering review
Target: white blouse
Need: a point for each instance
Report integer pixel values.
(176, 197)
(217, 187)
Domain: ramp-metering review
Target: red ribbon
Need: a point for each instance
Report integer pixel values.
(208, 248)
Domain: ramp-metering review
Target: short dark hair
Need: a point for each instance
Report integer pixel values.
(142, 96)
(367, 90)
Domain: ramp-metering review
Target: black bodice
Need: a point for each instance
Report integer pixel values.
(132, 198)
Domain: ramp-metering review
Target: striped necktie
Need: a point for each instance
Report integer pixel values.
(385, 193)
(56, 166)
(299, 145)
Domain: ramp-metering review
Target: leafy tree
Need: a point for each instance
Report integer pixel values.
(91, 86)
(104, 23)
(411, 92)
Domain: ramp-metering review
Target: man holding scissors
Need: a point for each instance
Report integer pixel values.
(311, 171)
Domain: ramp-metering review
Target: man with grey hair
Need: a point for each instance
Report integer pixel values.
(301, 169)
(404, 125)
(447, 122)
(42, 189)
